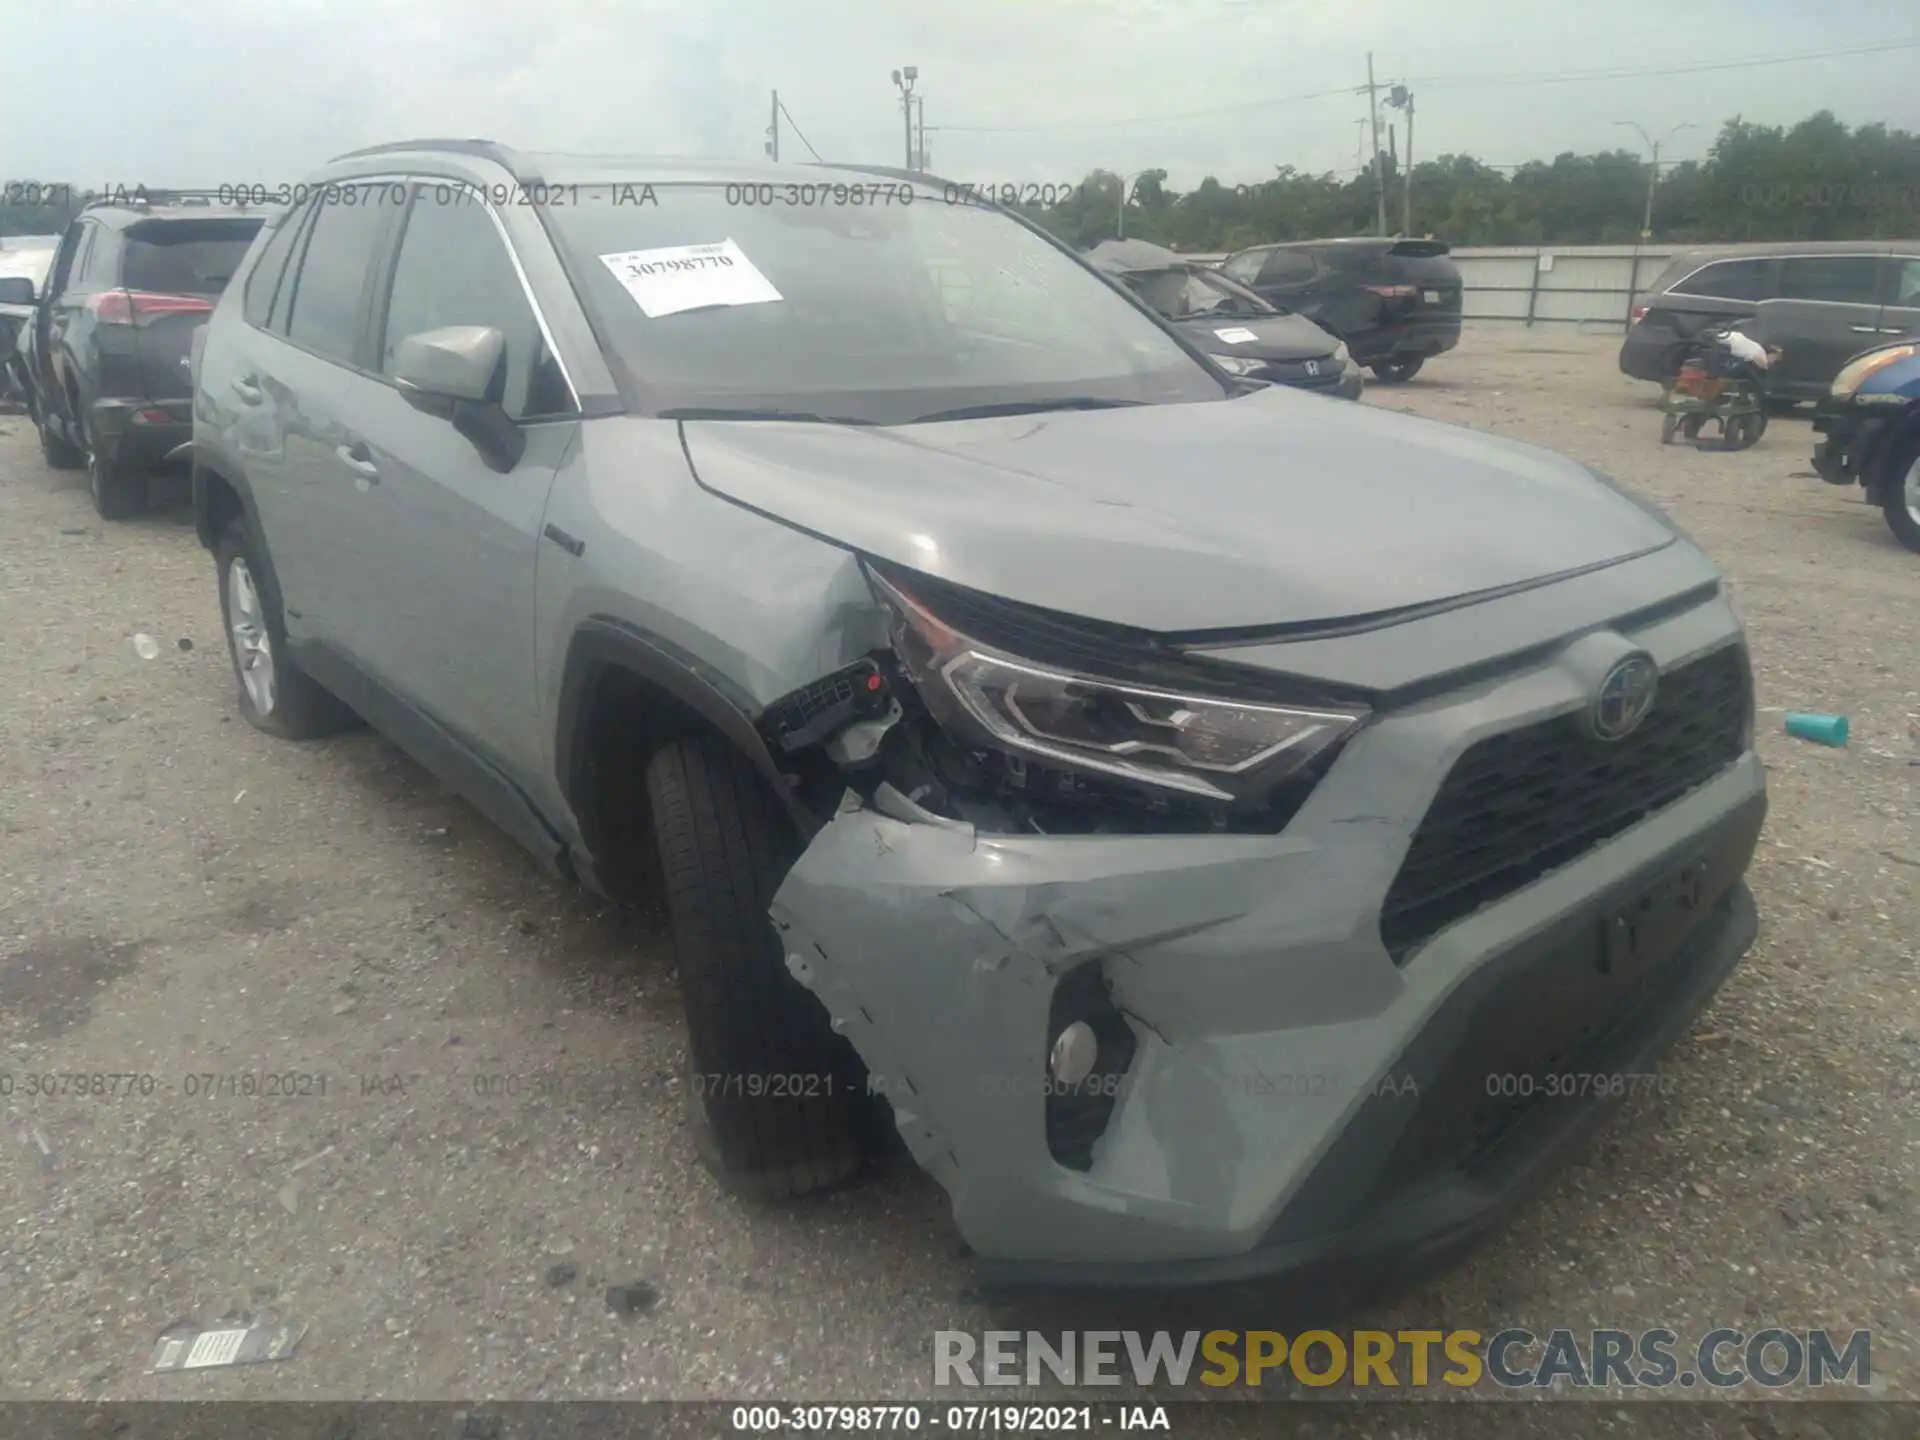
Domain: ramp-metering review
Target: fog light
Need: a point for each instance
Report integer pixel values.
(1076, 1051)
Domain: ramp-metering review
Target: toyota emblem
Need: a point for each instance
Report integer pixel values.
(1625, 697)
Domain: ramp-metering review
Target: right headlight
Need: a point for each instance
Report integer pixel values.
(1209, 746)
(1237, 364)
(1854, 375)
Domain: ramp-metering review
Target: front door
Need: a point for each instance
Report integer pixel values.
(444, 612)
(1825, 308)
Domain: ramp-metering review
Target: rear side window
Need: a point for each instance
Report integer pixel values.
(264, 279)
(1728, 280)
(94, 270)
(1287, 267)
(1906, 281)
(1839, 279)
(330, 291)
(185, 257)
(454, 269)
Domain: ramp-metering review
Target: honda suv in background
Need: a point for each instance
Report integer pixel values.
(1048, 741)
(1821, 302)
(108, 359)
(1396, 303)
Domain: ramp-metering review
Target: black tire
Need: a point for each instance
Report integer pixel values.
(58, 453)
(301, 708)
(1893, 501)
(118, 493)
(777, 1100)
(1669, 424)
(1398, 372)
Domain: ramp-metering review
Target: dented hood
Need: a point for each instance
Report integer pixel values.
(1274, 508)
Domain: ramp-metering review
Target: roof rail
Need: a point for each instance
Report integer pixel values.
(145, 197)
(482, 149)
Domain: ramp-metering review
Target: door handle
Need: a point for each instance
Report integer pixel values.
(359, 460)
(248, 389)
(1865, 329)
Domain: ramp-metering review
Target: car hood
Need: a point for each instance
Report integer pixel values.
(1275, 337)
(1273, 508)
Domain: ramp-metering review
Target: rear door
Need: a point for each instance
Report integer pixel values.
(290, 380)
(1900, 315)
(62, 320)
(174, 270)
(1285, 278)
(444, 605)
(1825, 309)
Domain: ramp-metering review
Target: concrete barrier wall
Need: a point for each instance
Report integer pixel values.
(1586, 285)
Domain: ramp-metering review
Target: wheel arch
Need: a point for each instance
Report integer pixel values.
(614, 668)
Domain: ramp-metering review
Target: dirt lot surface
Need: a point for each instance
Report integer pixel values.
(489, 1134)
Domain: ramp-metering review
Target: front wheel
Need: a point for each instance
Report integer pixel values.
(59, 453)
(1398, 372)
(1900, 500)
(778, 1100)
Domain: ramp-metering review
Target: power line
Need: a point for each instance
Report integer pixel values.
(1629, 73)
(1564, 77)
(796, 130)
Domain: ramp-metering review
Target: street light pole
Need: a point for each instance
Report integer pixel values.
(904, 78)
(1653, 180)
(1120, 211)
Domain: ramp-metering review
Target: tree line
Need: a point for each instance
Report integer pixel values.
(1817, 180)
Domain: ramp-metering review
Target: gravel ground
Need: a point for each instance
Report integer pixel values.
(182, 897)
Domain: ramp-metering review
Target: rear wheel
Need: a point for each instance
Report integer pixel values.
(778, 1100)
(1398, 372)
(1900, 497)
(118, 493)
(276, 695)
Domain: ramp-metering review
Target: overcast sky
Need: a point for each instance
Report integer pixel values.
(205, 92)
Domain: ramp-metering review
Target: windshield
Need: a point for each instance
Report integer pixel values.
(884, 312)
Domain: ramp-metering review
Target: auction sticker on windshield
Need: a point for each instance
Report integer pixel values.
(1236, 336)
(674, 278)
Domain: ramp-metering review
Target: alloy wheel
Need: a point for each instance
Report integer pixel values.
(252, 645)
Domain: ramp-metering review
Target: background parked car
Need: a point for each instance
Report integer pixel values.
(1245, 333)
(1870, 429)
(28, 258)
(1820, 302)
(1395, 302)
(107, 371)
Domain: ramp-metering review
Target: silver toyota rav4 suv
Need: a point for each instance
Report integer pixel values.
(1217, 831)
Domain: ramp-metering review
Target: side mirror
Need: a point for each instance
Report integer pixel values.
(456, 373)
(17, 290)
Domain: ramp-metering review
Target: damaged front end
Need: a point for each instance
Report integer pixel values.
(1011, 803)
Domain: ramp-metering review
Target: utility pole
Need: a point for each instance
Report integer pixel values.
(1401, 98)
(1379, 174)
(904, 78)
(920, 124)
(773, 129)
(1653, 179)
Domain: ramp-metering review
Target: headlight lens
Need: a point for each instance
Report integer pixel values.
(1855, 375)
(1237, 364)
(1196, 744)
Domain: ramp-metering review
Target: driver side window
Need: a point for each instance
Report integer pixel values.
(453, 269)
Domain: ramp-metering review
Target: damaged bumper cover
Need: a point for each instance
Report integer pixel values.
(1293, 1092)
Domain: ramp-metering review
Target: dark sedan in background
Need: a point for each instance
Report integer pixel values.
(1821, 302)
(112, 333)
(1396, 303)
(1244, 333)
(23, 258)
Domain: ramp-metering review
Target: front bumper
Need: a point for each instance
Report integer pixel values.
(1294, 1095)
(141, 434)
(1849, 438)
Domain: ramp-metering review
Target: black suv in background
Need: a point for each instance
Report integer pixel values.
(1821, 302)
(108, 359)
(1394, 302)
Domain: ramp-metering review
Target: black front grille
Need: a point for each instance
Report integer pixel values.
(1520, 804)
(1294, 373)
